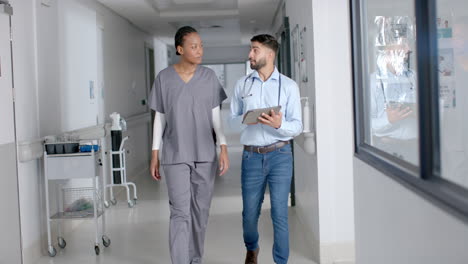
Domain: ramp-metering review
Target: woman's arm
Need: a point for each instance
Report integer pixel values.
(158, 128)
(218, 127)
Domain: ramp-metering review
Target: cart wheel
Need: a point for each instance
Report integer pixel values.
(114, 201)
(97, 250)
(106, 241)
(130, 203)
(106, 204)
(61, 242)
(52, 252)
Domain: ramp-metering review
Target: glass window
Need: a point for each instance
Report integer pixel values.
(390, 122)
(228, 74)
(389, 78)
(219, 70)
(452, 33)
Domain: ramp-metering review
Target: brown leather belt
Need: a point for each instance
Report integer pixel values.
(266, 149)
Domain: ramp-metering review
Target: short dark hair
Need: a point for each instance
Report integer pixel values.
(267, 40)
(180, 34)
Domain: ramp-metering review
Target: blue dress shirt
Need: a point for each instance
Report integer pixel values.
(251, 92)
(389, 87)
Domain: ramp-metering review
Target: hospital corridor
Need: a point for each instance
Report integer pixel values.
(140, 235)
(339, 129)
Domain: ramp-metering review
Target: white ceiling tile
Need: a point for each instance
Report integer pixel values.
(163, 17)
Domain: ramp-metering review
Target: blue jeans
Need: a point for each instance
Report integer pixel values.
(258, 170)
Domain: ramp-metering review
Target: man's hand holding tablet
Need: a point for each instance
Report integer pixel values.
(261, 115)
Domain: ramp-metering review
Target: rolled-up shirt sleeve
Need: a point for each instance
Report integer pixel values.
(291, 125)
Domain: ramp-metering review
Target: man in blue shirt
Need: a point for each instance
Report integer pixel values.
(393, 104)
(267, 156)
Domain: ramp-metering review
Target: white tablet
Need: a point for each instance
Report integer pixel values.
(252, 116)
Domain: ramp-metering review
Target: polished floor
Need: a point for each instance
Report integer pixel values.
(140, 235)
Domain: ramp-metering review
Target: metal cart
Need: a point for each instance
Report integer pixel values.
(61, 167)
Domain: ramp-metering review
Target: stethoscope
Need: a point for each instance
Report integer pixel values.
(249, 94)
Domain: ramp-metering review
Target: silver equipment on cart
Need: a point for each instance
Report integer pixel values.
(118, 163)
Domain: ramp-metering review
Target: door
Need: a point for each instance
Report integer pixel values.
(10, 240)
(284, 66)
(150, 77)
(101, 118)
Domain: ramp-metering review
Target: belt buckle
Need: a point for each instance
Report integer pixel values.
(258, 150)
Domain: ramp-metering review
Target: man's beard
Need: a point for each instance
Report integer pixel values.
(260, 64)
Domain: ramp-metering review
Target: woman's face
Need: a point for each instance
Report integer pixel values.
(192, 48)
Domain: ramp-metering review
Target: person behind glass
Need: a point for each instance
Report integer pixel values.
(267, 156)
(187, 98)
(393, 102)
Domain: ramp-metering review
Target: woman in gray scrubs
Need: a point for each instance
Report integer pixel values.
(187, 98)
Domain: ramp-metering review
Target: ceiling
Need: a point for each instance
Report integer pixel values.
(219, 22)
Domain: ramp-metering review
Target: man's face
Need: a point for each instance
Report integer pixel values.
(394, 58)
(259, 55)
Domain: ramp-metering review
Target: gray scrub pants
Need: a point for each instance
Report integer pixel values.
(190, 187)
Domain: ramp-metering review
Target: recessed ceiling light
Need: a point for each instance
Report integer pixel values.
(253, 21)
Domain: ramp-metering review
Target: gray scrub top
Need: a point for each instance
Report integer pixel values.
(188, 135)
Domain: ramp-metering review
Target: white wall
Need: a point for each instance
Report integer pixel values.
(325, 180)
(78, 60)
(334, 117)
(396, 225)
(213, 55)
(10, 244)
(124, 64)
(123, 84)
(306, 171)
(233, 72)
(6, 93)
(53, 66)
(27, 120)
(48, 67)
(124, 74)
(67, 63)
(160, 55)
(334, 128)
(307, 202)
